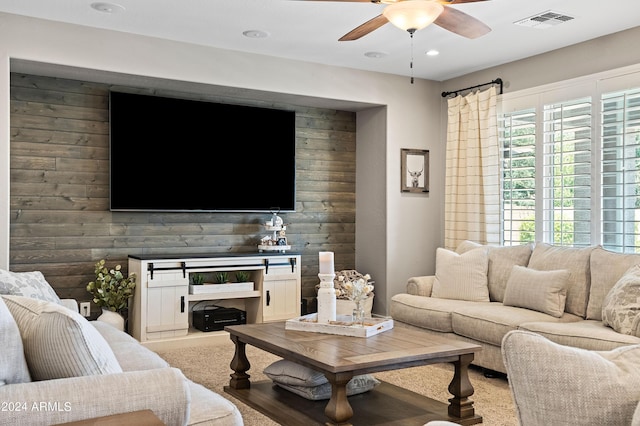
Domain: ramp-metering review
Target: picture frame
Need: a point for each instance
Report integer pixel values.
(281, 241)
(414, 170)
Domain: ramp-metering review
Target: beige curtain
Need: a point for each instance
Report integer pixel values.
(472, 182)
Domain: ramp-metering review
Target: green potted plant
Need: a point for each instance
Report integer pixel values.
(111, 291)
(221, 277)
(242, 276)
(197, 279)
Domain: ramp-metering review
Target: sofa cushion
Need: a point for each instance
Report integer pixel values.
(501, 262)
(208, 407)
(621, 307)
(546, 257)
(29, 284)
(489, 323)
(585, 334)
(607, 268)
(427, 312)
(358, 384)
(467, 245)
(543, 291)
(58, 342)
(131, 355)
(13, 368)
(576, 387)
(461, 276)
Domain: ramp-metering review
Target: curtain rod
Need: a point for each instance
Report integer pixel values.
(455, 92)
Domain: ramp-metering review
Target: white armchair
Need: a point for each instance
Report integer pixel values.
(558, 385)
(555, 385)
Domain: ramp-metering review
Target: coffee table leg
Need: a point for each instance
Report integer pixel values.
(338, 408)
(460, 387)
(240, 364)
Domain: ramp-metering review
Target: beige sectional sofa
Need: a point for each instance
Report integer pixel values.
(57, 367)
(557, 292)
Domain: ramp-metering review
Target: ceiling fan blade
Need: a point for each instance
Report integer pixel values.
(364, 29)
(460, 23)
(358, 1)
(446, 2)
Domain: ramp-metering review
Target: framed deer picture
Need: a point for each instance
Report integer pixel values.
(414, 170)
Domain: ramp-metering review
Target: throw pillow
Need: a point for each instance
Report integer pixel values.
(461, 276)
(290, 373)
(28, 284)
(547, 257)
(501, 261)
(621, 306)
(13, 368)
(358, 384)
(542, 291)
(59, 342)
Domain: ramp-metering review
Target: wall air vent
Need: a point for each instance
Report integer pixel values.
(544, 20)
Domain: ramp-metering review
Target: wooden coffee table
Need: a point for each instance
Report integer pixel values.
(342, 357)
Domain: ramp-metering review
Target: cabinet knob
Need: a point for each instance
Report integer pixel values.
(268, 298)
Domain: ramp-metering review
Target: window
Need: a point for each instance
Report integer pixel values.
(567, 173)
(621, 170)
(518, 143)
(571, 164)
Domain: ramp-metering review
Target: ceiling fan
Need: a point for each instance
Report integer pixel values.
(413, 15)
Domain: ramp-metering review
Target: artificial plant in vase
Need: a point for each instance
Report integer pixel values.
(111, 290)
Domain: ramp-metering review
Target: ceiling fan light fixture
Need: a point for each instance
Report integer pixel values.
(413, 15)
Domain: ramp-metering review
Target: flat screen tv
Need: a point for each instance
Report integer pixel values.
(179, 155)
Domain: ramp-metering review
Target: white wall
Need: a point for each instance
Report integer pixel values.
(600, 54)
(403, 231)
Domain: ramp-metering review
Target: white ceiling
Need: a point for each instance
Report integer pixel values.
(309, 30)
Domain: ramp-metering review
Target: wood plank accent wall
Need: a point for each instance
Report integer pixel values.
(59, 193)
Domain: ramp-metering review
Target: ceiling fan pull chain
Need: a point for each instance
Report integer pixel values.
(411, 31)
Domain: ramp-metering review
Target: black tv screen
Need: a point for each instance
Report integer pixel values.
(170, 154)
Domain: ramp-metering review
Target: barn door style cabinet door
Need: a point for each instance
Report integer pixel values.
(281, 294)
(162, 308)
(167, 305)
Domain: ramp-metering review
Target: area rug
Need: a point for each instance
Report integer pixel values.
(209, 366)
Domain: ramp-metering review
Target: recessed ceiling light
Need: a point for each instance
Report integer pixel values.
(375, 55)
(107, 7)
(255, 34)
(432, 52)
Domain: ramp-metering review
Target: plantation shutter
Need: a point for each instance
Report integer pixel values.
(518, 160)
(567, 173)
(620, 170)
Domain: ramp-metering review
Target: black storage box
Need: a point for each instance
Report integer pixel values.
(215, 318)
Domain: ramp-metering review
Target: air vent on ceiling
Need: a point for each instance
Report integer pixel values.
(544, 20)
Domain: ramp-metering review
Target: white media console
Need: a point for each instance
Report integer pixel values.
(162, 309)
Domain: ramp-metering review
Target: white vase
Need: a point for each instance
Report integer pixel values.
(112, 318)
